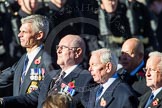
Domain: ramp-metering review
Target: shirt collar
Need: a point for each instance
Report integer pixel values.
(157, 91)
(68, 71)
(107, 84)
(137, 69)
(32, 54)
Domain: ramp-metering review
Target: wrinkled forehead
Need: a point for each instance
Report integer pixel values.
(66, 41)
(154, 61)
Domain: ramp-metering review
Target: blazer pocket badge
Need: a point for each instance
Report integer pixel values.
(33, 86)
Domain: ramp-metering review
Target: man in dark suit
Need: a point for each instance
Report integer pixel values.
(26, 77)
(140, 23)
(153, 98)
(114, 93)
(132, 60)
(70, 53)
(12, 20)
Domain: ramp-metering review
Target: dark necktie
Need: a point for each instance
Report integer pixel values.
(98, 93)
(24, 69)
(149, 100)
(56, 82)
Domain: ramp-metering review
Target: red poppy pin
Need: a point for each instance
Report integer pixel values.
(103, 102)
(71, 84)
(155, 102)
(37, 61)
(140, 75)
(68, 88)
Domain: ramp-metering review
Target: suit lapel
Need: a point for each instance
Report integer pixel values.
(17, 76)
(46, 84)
(50, 77)
(92, 98)
(27, 80)
(144, 100)
(73, 75)
(107, 97)
(70, 77)
(156, 103)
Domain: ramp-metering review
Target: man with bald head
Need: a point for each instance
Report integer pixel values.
(71, 78)
(132, 60)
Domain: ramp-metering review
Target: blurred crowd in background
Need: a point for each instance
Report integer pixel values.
(99, 25)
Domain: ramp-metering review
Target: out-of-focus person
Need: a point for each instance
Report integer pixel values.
(58, 100)
(156, 7)
(132, 60)
(113, 24)
(140, 23)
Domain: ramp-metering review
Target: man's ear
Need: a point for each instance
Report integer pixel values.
(102, 7)
(108, 67)
(78, 52)
(39, 36)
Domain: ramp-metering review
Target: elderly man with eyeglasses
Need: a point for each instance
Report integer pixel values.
(154, 81)
(75, 80)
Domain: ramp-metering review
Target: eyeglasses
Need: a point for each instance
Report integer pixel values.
(148, 69)
(65, 47)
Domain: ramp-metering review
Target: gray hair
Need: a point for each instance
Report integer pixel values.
(106, 55)
(79, 42)
(157, 54)
(39, 23)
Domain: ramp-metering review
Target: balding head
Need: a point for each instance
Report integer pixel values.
(135, 44)
(70, 51)
(132, 54)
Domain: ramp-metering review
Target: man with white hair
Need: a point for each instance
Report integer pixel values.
(111, 92)
(153, 71)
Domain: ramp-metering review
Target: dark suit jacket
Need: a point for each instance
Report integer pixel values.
(137, 81)
(158, 99)
(118, 95)
(12, 75)
(36, 98)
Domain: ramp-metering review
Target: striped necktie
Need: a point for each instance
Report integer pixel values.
(24, 69)
(98, 93)
(149, 100)
(56, 82)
